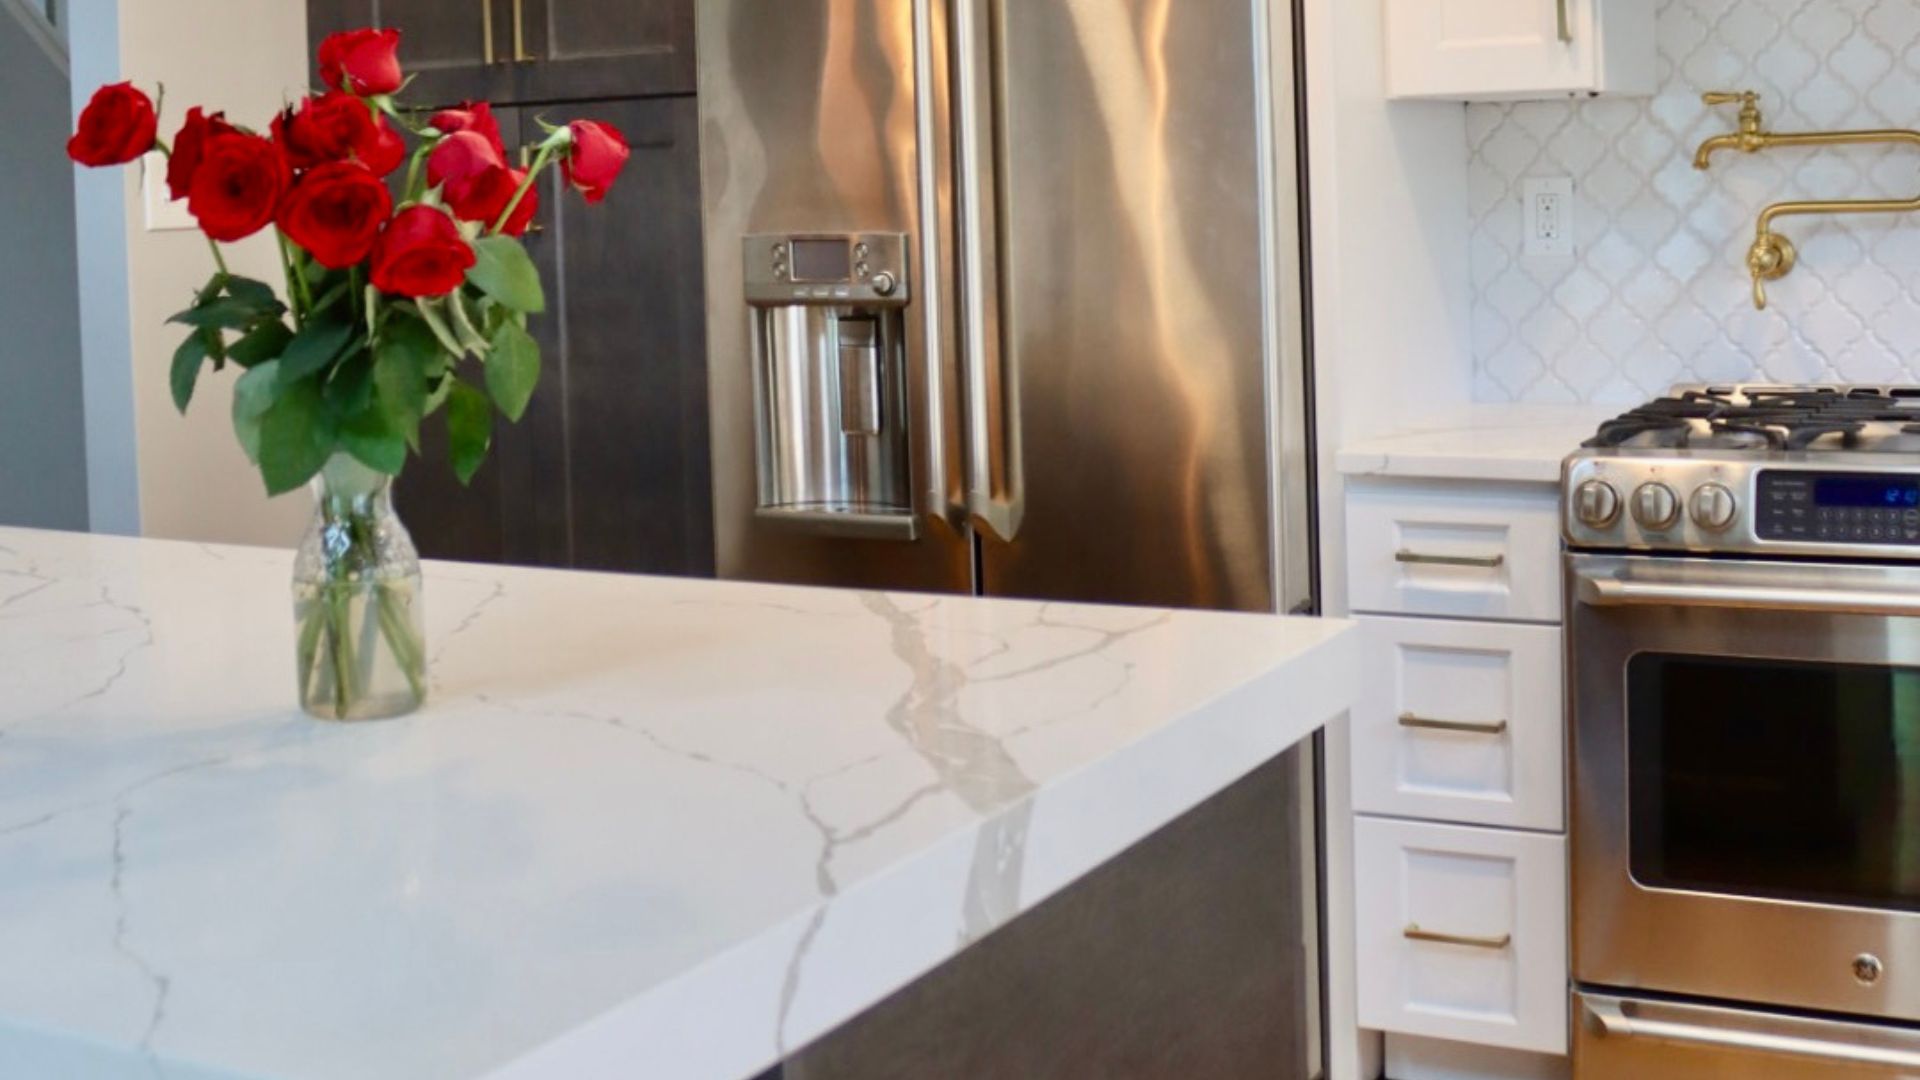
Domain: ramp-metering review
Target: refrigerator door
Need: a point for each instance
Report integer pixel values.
(1121, 324)
(823, 121)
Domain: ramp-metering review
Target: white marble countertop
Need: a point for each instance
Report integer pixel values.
(1479, 442)
(644, 827)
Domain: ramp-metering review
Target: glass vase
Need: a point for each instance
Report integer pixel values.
(360, 649)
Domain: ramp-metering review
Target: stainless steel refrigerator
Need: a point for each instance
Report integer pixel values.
(1004, 297)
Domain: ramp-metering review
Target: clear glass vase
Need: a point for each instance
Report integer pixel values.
(361, 651)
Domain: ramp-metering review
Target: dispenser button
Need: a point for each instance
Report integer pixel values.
(884, 283)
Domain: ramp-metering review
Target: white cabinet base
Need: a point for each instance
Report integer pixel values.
(1461, 933)
(1410, 1057)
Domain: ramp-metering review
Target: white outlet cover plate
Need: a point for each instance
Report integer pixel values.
(163, 214)
(1547, 206)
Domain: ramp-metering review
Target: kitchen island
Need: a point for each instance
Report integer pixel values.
(643, 826)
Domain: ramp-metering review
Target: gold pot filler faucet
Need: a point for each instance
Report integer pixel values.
(1772, 255)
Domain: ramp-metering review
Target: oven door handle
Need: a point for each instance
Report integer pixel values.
(1620, 592)
(1612, 1021)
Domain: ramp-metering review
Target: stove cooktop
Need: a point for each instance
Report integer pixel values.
(1849, 419)
(1778, 470)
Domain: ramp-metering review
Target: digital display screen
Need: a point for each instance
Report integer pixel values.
(1884, 492)
(822, 260)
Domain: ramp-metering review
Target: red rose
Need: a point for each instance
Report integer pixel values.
(115, 127)
(237, 186)
(186, 148)
(477, 118)
(420, 253)
(364, 61)
(459, 161)
(599, 153)
(337, 127)
(335, 212)
(485, 197)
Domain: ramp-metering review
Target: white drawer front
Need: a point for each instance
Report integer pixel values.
(1501, 894)
(1460, 721)
(1474, 550)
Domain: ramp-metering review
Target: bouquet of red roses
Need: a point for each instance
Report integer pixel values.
(388, 287)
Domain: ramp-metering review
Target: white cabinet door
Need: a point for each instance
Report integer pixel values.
(1472, 550)
(1507, 49)
(1460, 721)
(1462, 933)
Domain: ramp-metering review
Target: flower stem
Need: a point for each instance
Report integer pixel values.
(297, 288)
(219, 260)
(526, 184)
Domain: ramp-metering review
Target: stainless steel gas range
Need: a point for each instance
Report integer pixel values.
(1743, 589)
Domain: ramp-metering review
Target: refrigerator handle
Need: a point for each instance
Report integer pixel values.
(927, 128)
(996, 485)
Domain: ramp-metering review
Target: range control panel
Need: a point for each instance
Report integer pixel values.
(1806, 506)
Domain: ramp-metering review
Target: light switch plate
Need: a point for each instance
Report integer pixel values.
(1547, 204)
(163, 214)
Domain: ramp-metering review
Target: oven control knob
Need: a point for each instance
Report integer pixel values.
(1712, 507)
(1655, 506)
(1596, 504)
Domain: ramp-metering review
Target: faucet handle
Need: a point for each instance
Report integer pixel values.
(1730, 97)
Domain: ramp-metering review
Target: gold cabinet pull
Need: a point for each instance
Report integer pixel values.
(1487, 562)
(486, 31)
(1497, 727)
(1414, 933)
(520, 33)
(1566, 24)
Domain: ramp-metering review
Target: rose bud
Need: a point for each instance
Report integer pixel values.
(363, 62)
(458, 161)
(335, 212)
(337, 127)
(420, 253)
(476, 117)
(186, 148)
(486, 197)
(116, 127)
(237, 187)
(598, 154)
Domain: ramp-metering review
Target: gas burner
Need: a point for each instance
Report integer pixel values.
(1770, 418)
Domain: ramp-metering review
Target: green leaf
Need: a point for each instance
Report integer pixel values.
(188, 359)
(372, 438)
(513, 370)
(470, 338)
(502, 270)
(227, 313)
(350, 389)
(313, 348)
(404, 361)
(469, 429)
(436, 321)
(262, 343)
(247, 290)
(253, 394)
(296, 437)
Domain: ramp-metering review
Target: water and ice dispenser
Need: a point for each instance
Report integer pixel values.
(829, 380)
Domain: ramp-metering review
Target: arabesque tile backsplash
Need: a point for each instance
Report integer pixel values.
(1657, 291)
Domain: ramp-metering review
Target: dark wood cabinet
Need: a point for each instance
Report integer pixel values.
(527, 52)
(609, 468)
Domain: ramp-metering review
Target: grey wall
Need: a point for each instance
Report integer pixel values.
(43, 462)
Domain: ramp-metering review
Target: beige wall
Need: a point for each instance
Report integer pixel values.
(248, 59)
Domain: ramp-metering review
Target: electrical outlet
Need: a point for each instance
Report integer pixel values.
(1548, 208)
(163, 214)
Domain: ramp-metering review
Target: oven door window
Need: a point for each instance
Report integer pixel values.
(1765, 778)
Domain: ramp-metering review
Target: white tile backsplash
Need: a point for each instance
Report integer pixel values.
(1657, 291)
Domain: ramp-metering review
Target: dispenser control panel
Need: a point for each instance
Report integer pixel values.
(841, 269)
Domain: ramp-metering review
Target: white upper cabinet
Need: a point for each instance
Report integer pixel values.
(1508, 50)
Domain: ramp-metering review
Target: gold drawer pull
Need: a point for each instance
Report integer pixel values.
(1414, 933)
(1487, 562)
(1497, 727)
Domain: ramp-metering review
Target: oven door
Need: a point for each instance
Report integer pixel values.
(1746, 780)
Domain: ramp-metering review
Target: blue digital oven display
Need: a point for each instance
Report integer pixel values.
(1887, 493)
